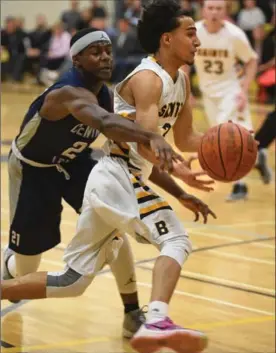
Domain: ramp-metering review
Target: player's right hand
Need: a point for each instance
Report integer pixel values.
(164, 153)
(182, 170)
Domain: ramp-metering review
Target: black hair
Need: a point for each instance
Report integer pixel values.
(158, 17)
(81, 34)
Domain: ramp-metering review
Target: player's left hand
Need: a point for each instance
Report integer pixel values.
(241, 101)
(196, 206)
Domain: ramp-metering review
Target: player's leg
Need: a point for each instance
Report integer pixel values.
(94, 245)
(35, 208)
(123, 267)
(227, 110)
(210, 106)
(265, 135)
(169, 236)
(123, 270)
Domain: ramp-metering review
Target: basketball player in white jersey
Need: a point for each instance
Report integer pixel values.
(225, 96)
(117, 199)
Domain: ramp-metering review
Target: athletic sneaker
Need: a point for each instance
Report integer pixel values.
(165, 334)
(5, 271)
(132, 322)
(263, 168)
(239, 192)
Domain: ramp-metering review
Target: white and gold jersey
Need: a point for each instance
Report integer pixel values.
(216, 58)
(171, 101)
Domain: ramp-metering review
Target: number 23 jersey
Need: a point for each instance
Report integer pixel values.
(171, 101)
(217, 56)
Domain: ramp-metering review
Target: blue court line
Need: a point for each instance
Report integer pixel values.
(12, 307)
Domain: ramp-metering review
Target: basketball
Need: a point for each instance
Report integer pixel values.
(227, 152)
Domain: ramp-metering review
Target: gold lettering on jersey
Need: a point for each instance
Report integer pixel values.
(170, 110)
(214, 53)
(84, 131)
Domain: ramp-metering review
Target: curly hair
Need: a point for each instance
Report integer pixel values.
(158, 17)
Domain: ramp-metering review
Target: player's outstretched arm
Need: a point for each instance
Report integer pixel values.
(83, 105)
(186, 138)
(166, 182)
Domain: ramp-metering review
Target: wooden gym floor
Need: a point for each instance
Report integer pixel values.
(227, 286)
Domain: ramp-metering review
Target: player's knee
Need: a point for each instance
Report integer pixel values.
(26, 263)
(67, 284)
(178, 248)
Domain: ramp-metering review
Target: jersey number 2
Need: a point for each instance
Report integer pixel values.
(72, 152)
(166, 127)
(213, 67)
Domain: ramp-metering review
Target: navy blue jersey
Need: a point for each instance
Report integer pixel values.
(57, 142)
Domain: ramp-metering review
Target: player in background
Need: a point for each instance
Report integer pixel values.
(225, 95)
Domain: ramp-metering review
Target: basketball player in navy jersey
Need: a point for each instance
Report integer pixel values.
(50, 160)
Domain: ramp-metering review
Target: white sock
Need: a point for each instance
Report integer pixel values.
(11, 264)
(158, 311)
(240, 182)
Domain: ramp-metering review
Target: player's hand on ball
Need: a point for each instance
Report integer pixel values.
(182, 170)
(164, 153)
(197, 206)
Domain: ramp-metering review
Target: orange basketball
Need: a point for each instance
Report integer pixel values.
(227, 152)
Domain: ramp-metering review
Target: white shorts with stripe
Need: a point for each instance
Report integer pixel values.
(115, 201)
(224, 108)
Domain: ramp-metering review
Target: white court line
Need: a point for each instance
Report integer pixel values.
(195, 296)
(218, 236)
(241, 257)
(249, 224)
(211, 300)
(222, 281)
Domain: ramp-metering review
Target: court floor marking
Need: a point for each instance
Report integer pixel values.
(222, 282)
(208, 299)
(99, 339)
(106, 274)
(242, 257)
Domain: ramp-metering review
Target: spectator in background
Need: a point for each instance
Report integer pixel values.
(127, 50)
(20, 24)
(14, 42)
(133, 11)
(59, 47)
(84, 19)
(39, 41)
(187, 7)
(101, 23)
(97, 10)
(252, 19)
(72, 17)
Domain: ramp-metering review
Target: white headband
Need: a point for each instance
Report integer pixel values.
(88, 39)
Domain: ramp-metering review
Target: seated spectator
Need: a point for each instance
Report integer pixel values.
(72, 17)
(13, 41)
(84, 19)
(186, 5)
(127, 51)
(251, 19)
(101, 23)
(133, 12)
(59, 47)
(39, 42)
(97, 10)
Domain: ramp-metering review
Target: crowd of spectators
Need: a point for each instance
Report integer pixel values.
(44, 51)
